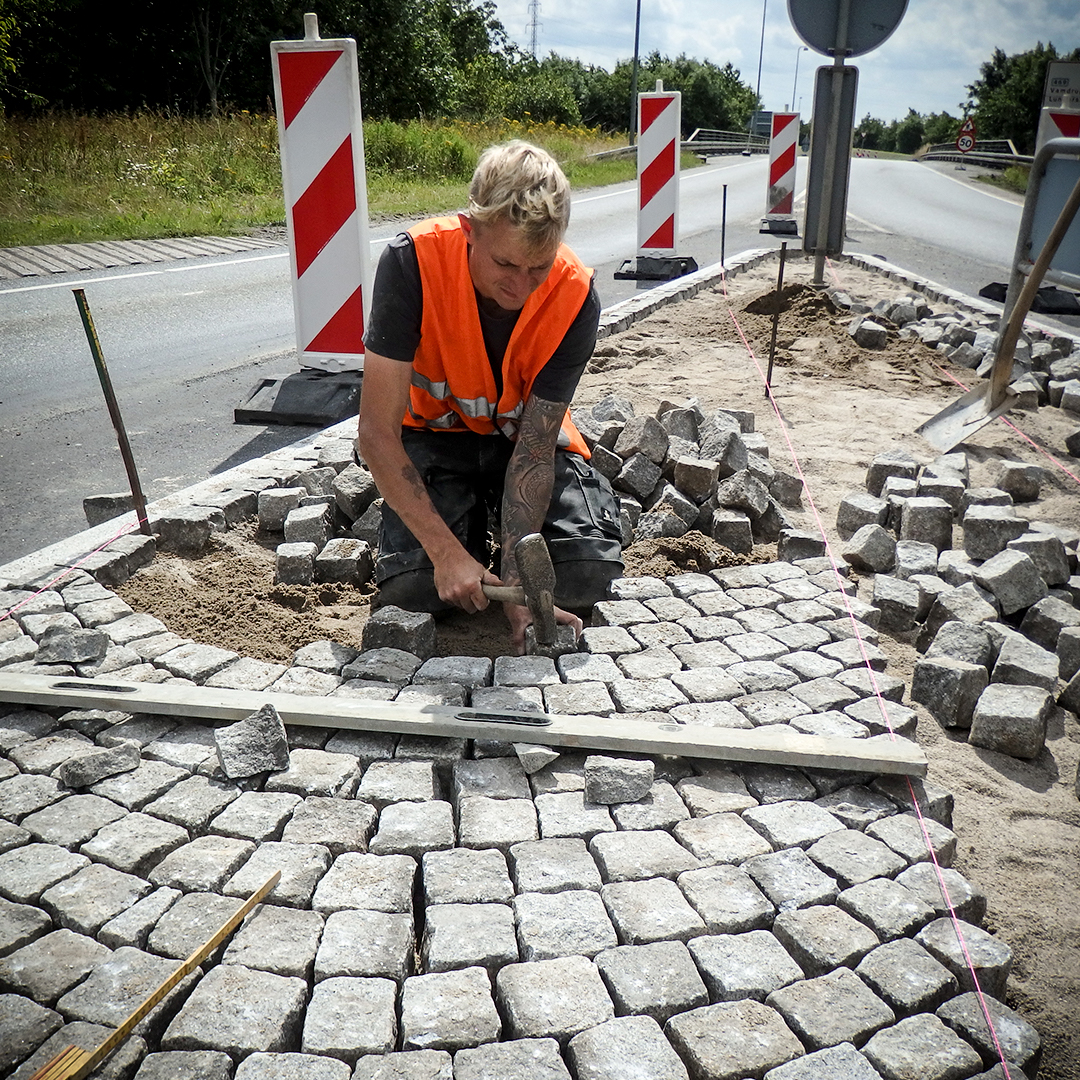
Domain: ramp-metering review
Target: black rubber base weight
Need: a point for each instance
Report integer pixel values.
(785, 226)
(652, 268)
(305, 397)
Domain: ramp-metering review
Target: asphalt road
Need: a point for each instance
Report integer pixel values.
(185, 342)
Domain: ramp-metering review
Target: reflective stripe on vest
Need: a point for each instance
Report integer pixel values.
(471, 407)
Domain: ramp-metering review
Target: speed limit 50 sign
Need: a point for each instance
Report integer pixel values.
(965, 141)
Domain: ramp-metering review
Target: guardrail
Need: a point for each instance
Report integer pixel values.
(986, 146)
(705, 143)
(992, 154)
(710, 141)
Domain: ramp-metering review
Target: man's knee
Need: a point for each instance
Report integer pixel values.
(413, 590)
(580, 583)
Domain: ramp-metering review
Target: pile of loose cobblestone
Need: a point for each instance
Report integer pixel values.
(996, 617)
(673, 472)
(1046, 366)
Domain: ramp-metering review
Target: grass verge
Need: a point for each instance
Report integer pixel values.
(70, 178)
(1014, 178)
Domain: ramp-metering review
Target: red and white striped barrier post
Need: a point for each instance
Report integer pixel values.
(321, 136)
(658, 145)
(659, 136)
(780, 198)
(1059, 123)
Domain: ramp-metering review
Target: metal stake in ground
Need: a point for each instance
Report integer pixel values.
(776, 316)
(114, 409)
(723, 225)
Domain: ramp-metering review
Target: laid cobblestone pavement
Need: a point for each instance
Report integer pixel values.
(451, 908)
(448, 914)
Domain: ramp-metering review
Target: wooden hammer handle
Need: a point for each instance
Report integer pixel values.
(506, 594)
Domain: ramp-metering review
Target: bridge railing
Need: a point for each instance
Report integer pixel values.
(710, 141)
(993, 154)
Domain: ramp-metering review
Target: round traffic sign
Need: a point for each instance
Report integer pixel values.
(965, 143)
(870, 22)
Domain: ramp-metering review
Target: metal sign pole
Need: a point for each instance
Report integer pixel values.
(824, 212)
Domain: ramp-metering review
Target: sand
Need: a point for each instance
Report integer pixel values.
(837, 406)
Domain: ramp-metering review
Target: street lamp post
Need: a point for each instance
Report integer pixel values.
(633, 76)
(761, 50)
(795, 84)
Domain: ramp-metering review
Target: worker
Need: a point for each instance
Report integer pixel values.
(480, 327)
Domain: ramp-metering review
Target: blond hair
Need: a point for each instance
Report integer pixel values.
(522, 184)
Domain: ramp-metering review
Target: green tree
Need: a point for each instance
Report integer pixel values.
(870, 133)
(8, 29)
(909, 133)
(207, 55)
(941, 127)
(1007, 97)
(713, 97)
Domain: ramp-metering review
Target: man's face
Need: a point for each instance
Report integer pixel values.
(503, 268)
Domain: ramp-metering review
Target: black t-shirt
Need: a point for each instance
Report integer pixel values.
(397, 305)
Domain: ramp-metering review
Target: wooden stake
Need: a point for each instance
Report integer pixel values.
(74, 1063)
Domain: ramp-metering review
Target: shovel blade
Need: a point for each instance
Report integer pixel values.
(960, 420)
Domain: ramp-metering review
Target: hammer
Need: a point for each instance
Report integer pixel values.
(537, 588)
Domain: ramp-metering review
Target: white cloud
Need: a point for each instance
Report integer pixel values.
(926, 64)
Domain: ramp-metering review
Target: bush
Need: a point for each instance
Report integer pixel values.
(419, 150)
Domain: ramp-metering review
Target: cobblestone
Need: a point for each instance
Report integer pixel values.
(554, 999)
(834, 1008)
(924, 1043)
(554, 865)
(449, 1010)
(733, 1039)
(276, 939)
(349, 1017)
(652, 910)
(568, 923)
(603, 1052)
(469, 935)
(634, 856)
(738, 966)
(657, 980)
(365, 943)
(715, 791)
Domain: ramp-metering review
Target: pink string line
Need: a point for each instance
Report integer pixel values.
(873, 681)
(64, 573)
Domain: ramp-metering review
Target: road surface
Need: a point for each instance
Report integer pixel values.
(186, 341)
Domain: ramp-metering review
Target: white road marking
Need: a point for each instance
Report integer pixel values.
(978, 188)
(868, 224)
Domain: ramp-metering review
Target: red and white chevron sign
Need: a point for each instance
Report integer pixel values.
(659, 118)
(321, 136)
(781, 193)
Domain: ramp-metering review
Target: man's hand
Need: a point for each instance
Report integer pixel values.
(519, 619)
(459, 579)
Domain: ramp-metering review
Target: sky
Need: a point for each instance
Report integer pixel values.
(926, 64)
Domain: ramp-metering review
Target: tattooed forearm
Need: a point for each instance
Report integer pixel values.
(412, 478)
(530, 476)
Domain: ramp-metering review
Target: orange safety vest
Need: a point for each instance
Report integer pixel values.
(453, 388)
